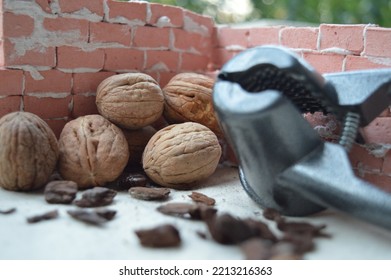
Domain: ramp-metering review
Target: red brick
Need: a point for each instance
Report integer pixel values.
(102, 32)
(361, 158)
(167, 60)
(9, 104)
(387, 163)
(56, 125)
(221, 56)
(299, 37)
(212, 74)
(186, 41)
(131, 11)
(35, 57)
(45, 5)
(173, 14)
(17, 25)
(53, 81)
(74, 58)
(353, 62)
(264, 36)
(378, 41)
(71, 6)
(11, 82)
(165, 77)
(118, 59)
(232, 37)
(325, 63)
(193, 62)
(378, 131)
(59, 24)
(88, 82)
(197, 23)
(84, 105)
(347, 37)
(151, 37)
(380, 181)
(47, 107)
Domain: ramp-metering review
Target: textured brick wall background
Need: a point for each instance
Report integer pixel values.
(54, 53)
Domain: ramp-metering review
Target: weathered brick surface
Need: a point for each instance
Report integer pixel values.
(377, 42)
(163, 15)
(87, 83)
(324, 62)
(15, 25)
(157, 37)
(51, 81)
(103, 32)
(122, 12)
(11, 56)
(9, 104)
(264, 36)
(11, 82)
(75, 58)
(354, 62)
(299, 37)
(122, 59)
(346, 37)
(47, 107)
(71, 6)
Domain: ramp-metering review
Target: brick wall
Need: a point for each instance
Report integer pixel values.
(54, 53)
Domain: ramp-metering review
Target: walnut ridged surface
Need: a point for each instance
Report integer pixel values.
(180, 155)
(188, 98)
(28, 151)
(93, 151)
(130, 100)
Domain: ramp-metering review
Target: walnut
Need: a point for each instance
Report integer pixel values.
(137, 140)
(28, 151)
(93, 151)
(188, 98)
(180, 155)
(131, 100)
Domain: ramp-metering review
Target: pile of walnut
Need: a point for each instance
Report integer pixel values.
(94, 150)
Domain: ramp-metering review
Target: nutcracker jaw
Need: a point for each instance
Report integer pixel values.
(283, 163)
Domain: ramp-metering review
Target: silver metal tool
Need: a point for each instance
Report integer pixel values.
(259, 99)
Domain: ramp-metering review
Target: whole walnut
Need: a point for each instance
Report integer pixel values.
(188, 98)
(28, 151)
(93, 151)
(130, 100)
(180, 155)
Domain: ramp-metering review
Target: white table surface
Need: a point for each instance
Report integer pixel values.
(65, 238)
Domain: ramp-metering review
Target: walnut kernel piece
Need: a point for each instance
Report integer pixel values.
(93, 151)
(130, 100)
(180, 155)
(28, 151)
(188, 98)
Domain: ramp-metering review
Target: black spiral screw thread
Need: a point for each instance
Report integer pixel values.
(350, 128)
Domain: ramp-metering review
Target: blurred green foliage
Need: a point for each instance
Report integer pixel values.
(311, 11)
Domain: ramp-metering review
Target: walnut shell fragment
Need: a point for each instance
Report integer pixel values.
(188, 98)
(130, 100)
(93, 151)
(180, 155)
(162, 236)
(145, 193)
(60, 191)
(28, 151)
